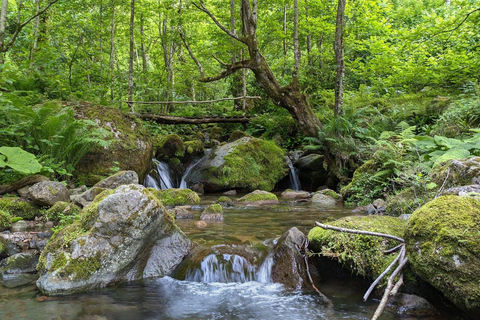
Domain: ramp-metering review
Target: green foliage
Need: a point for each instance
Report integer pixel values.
(19, 160)
(51, 133)
(17, 207)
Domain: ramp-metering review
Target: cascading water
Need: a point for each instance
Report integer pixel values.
(163, 177)
(183, 182)
(293, 175)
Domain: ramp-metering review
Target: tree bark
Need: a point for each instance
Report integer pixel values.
(289, 97)
(112, 52)
(3, 22)
(296, 49)
(36, 32)
(339, 57)
(131, 57)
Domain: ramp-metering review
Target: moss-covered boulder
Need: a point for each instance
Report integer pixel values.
(258, 197)
(19, 207)
(169, 146)
(176, 197)
(193, 148)
(46, 193)
(361, 254)
(212, 212)
(443, 246)
(131, 150)
(457, 172)
(247, 163)
(403, 202)
(4, 220)
(124, 235)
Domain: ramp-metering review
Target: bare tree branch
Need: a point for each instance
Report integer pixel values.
(202, 7)
(244, 64)
(220, 61)
(190, 53)
(368, 233)
(460, 24)
(22, 25)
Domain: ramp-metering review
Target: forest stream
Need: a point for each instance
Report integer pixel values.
(222, 285)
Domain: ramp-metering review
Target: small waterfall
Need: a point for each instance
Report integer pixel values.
(160, 179)
(293, 175)
(227, 268)
(183, 183)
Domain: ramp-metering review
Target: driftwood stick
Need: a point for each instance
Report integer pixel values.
(388, 289)
(393, 249)
(380, 277)
(368, 233)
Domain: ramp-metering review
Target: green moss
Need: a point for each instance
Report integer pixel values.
(225, 200)
(362, 189)
(82, 268)
(237, 134)
(194, 147)
(20, 208)
(169, 146)
(331, 193)
(62, 210)
(176, 197)
(257, 164)
(3, 247)
(5, 222)
(15, 219)
(443, 246)
(258, 195)
(214, 208)
(361, 254)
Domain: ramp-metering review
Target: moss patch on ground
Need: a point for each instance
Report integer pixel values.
(176, 197)
(17, 207)
(62, 210)
(443, 246)
(361, 254)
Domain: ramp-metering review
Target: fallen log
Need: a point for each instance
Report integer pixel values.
(189, 120)
(7, 188)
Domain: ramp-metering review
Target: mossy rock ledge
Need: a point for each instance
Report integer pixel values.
(247, 164)
(176, 197)
(443, 246)
(124, 235)
(361, 254)
(131, 150)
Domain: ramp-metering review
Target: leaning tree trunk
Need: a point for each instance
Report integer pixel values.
(289, 97)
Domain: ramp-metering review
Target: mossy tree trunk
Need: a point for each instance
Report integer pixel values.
(289, 97)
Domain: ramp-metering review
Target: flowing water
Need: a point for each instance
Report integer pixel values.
(229, 278)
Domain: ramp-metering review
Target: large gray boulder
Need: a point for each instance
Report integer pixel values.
(46, 193)
(124, 235)
(118, 179)
(18, 269)
(247, 163)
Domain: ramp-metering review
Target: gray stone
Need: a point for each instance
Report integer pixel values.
(19, 226)
(230, 192)
(311, 172)
(370, 209)
(292, 194)
(85, 198)
(118, 179)
(288, 264)
(409, 305)
(46, 193)
(323, 199)
(182, 212)
(378, 203)
(129, 237)
(24, 262)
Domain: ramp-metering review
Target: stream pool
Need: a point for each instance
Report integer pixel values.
(169, 298)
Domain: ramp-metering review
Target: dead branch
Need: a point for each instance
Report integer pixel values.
(393, 249)
(389, 288)
(368, 233)
(202, 7)
(230, 69)
(193, 102)
(401, 260)
(380, 277)
(183, 120)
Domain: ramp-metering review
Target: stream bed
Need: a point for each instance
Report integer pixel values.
(205, 297)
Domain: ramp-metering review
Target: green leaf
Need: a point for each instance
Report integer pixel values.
(3, 164)
(19, 160)
(431, 185)
(453, 153)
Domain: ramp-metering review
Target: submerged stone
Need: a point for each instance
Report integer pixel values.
(124, 235)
